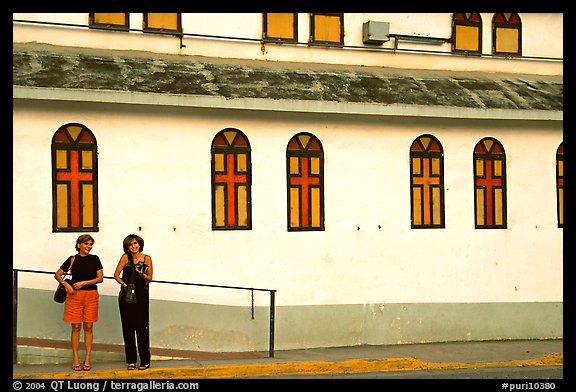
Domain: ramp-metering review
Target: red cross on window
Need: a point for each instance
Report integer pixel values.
(489, 182)
(74, 176)
(426, 180)
(305, 182)
(230, 178)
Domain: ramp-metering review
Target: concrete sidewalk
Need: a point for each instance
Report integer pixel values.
(329, 361)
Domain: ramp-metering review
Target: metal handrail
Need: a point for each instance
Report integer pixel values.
(15, 272)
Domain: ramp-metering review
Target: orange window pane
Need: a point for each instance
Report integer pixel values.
(506, 40)
(166, 21)
(111, 19)
(467, 38)
(294, 207)
(327, 28)
(280, 25)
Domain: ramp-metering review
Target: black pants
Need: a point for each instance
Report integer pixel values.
(135, 329)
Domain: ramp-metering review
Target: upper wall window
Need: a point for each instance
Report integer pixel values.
(231, 181)
(163, 22)
(327, 29)
(560, 184)
(305, 175)
(507, 34)
(74, 179)
(467, 33)
(280, 27)
(118, 21)
(490, 184)
(427, 182)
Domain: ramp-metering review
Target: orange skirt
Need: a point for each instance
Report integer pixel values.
(82, 306)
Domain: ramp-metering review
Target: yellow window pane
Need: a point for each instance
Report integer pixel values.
(561, 206)
(436, 213)
(280, 25)
(86, 159)
(480, 168)
(294, 165)
(416, 166)
(315, 206)
(74, 131)
(498, 168)
(561, 168)
(241, 162)
(467, 38)
(242, 206)
(315, 165)
(499, 206)
(294, 207)
(167, 21)
(506, 40)
(480, 207)
(219, 162)
(436, 166)
(61, 159)
(88, 205)
(61, 205)
(327, 28)
(110, 18)
(219, 210)
(417, 206)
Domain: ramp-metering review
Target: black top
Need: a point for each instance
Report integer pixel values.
(141, 284)
(84, 268)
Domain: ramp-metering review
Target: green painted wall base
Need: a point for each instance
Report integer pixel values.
(218, 328)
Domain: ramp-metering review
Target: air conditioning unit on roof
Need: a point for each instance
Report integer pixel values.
(375, 32)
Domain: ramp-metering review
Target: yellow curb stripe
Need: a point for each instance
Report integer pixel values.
(300, 367)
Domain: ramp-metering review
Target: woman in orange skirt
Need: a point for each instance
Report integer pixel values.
(81, 306)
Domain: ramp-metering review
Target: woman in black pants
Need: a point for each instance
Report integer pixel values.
(136, 269)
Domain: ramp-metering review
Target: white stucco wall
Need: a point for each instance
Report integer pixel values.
(154, 173)
(542, 36)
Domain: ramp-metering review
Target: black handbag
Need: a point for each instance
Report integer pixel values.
(128, 293)
(60, 294)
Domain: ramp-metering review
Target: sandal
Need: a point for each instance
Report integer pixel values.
(86, 367)
(144, 367)
(77, 368)
(132, 366)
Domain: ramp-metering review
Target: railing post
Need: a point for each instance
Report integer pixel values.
(272, 312)
(14, 316)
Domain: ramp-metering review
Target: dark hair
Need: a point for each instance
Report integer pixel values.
(128, 240)
(83, 238)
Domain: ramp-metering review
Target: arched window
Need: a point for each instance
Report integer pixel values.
(427, 182)
(560, 184)
(490, 184)
(231, 181)
(467, 32)
(507, 34)
(305, 177)
(74, 179)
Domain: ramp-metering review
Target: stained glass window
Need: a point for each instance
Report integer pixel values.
(467, 32)
(490, 184)
(327, 29)
(305, 177)
(74, 179)
(231, 181)
(427, 182)
(560, 184)
(281, 27)
(507, 34)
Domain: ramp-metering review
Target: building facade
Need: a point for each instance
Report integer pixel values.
(394, 178)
